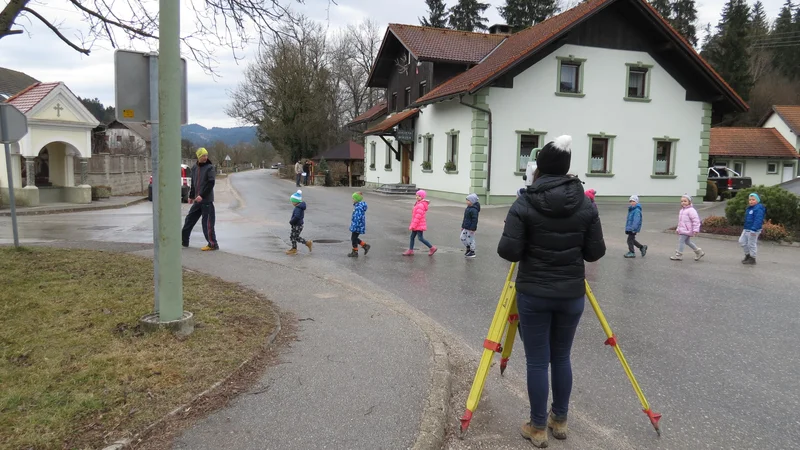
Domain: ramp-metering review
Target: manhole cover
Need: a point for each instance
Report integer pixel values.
(327, 241)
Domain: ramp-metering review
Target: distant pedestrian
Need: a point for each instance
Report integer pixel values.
(358, 225)
(418, 224)
(297, 221)
(753, 223)
(633, 226)
(306, 171)
(298, 172)
(470, 224)
(201, 195)
(688, 227)
(590, 194)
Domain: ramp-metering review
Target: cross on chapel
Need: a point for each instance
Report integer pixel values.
(58, 109)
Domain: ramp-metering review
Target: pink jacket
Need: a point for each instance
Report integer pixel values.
(418, 222)
(688, 221)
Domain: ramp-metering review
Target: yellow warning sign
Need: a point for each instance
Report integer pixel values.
(127, 113)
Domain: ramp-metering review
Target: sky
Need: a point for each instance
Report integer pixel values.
(42, 55)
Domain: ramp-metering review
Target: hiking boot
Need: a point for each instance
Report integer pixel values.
(630, 255)
(291, 251)
(366, 248)
(209, 248)
(559, 427)
(643, 250)
(678, 256)
(353, 253)
(433, 250)
(309, 244)
(408, 253)
(699, 253)
(537, 436)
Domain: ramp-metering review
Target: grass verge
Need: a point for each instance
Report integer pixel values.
(75, 369)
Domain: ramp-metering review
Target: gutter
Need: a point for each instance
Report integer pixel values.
(489, 159)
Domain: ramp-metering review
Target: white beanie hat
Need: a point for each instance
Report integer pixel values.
(634, 198)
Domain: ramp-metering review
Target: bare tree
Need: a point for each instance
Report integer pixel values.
(365, 41)
(231, 24)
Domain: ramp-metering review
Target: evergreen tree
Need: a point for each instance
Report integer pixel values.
(759, 25)
(521, 14)
(730, 53)
(784, 34)
(437, 14)
(684, 17)
(664, 7)
(467, 15)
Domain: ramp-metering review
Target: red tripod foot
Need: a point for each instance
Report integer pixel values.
(465, 421)
(654, 418)
(503, 364)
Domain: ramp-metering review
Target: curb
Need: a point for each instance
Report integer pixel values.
(126, 443)
(71, 209)
(434, 416)
(724, 237)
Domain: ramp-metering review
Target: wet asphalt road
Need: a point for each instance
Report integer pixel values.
(713, 344)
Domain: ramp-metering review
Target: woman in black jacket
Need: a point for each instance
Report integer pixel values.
(551, 229)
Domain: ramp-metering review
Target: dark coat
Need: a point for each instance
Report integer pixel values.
(551, 229)
(470, 221)
(203, 178)
(298, 215)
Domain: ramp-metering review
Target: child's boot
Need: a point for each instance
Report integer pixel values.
(353, 253)
(366, 248)
(408, 252)
(678, 256)
(746, 259)
(537, 436)
(699, 253)
(643, 250)
(749, 261)
(432, 251)
(291, 251)
(630, 255)
(559, 426)
(309, 244)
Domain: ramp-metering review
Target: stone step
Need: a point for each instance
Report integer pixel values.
(397, 189)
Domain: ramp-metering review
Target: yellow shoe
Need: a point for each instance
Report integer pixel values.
(538, 437)
(309, 244)
(209, 248)
(291, 251)
(559, 427)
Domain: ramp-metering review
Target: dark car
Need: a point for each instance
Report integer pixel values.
(728, 181)
(185, 180)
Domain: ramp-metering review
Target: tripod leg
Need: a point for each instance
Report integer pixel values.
(511, 333)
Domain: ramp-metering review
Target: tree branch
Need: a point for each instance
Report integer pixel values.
(115, 23)
(54, 29)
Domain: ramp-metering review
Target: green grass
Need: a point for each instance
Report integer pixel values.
(76, 371)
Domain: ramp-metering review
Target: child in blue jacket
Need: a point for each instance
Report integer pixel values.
(634, 225)
(753, 222)
(470, 224)
(297, 221)
(358, 225)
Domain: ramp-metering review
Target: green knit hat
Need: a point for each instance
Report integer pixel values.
(357, 197)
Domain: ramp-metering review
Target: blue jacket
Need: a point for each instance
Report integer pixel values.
(634, 223)
(359, 222)
(470, 221)
(754, 217)
(298, 214)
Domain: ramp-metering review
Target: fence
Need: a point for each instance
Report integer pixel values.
(123, 174)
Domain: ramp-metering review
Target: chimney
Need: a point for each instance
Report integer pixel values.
(500, 28)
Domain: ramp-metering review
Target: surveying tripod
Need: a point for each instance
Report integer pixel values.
(506, 320)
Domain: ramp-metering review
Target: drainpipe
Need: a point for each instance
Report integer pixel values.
(489, 157)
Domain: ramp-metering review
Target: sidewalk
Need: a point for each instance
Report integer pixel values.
(58, 208)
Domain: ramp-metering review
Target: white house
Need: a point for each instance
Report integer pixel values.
(466, 111)
(763, 154)
(128, 138)
(59, 138)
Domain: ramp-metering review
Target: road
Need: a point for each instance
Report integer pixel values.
(712, 343)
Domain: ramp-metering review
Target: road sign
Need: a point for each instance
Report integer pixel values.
(132, 87)
(405, 136)
(227, 157)
(13, 124)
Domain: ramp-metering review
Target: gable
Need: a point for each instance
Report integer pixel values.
(56, 108)
(61, 105)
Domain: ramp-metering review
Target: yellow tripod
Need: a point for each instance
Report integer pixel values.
(506, 320)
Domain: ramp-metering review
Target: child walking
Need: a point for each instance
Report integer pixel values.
(358, 225)
(470, 224)
(688, 226)
(590, 194)
(297, 221)
(418, 224)
(633, 226)
(753, 222)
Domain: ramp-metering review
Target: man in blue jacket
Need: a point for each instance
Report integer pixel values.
(201, 195)
(753, 222)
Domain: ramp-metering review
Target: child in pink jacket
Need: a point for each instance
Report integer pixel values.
(688, 226)
(418, 224)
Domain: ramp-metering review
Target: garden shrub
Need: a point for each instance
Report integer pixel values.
(783, 207)
(711, 192)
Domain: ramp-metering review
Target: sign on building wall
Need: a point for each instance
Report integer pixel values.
(405, 136)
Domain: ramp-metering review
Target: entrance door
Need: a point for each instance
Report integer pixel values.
(788, 172)
(405, 172)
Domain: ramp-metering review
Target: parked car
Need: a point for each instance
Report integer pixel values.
(185, 180)
(728, 180)
(277, 166)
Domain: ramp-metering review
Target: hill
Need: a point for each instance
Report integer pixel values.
(200, 135)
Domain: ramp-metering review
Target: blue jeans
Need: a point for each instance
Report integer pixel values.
(414, 234)
(547, 329)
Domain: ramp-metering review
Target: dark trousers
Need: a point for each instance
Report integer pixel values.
(355, 240)
(294, 235)
(547, 329)
(209, 216)
(306, 179)
(299, 176)
(633, 242)
(414, 234)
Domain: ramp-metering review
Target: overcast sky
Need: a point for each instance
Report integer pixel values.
(40, 54)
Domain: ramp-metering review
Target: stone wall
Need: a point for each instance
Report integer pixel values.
(125, 175)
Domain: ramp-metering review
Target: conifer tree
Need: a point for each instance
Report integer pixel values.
(783, 41)
(728, 51)
(521, 14)
(467, 15)
(437, 14)
(684, 17)
(664, 7)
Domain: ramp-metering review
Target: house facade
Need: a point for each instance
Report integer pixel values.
(466, 111)
(127, 139)
(763, 154)
(786, 120)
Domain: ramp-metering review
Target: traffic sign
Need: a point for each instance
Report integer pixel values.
(13, 124)
(132, 87)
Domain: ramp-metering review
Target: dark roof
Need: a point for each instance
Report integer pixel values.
(12, 82)
(750, 143)
(391, 121)
(443, 44)
(790, 114)
(345, 151)
(371, 114)
(526, 43)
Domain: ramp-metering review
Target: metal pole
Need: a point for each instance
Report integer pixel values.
(4, 137)
(153, 59)
(170, 281)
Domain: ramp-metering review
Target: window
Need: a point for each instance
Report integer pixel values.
(637, 84)
(451, 164)
(601, 152)
(423, 85)
(427, 152)
(527, 143)
(394, 101)
(408, 97)
(664, 158)
(388, 164)
(119, 138)
(131, 139)
(738, 167)
(372, 155)
(570, 76)
(772, 168)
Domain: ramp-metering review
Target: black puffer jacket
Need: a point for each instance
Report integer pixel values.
(550, 230)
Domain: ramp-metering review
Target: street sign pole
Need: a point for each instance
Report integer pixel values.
(153, 66)
(7, 135)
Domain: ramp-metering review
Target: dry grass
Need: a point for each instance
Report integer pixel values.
(75, 370)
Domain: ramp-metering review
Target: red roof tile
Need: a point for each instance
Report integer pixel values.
(790, 115)
(371, 114)
(392, 121)
(26, 99)
(442, 44)
(750, 142)
(525, 43)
